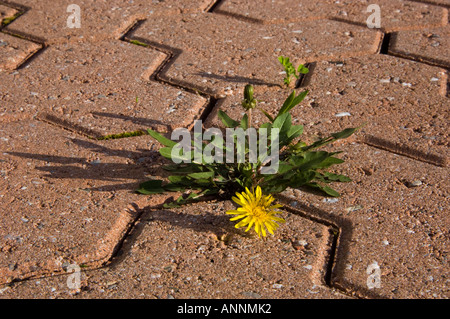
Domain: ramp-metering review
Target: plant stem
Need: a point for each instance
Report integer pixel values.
(249, 113)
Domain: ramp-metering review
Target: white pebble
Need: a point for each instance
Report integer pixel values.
(342, 114)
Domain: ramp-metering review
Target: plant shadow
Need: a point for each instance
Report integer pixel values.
(114, 176)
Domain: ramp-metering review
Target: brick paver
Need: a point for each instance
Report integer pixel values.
(95, 86)
(401, 103)
(171, 252)
(68, 197)
(217, 60)
(395, 14)
(64, 198)
(429, 45)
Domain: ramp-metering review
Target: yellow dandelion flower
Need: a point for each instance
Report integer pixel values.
(256, 211)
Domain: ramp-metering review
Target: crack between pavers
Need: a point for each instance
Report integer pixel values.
(106, 248)
(404, 150)
(444, 5)
(171, 55)
(21, 10)
(341, 232)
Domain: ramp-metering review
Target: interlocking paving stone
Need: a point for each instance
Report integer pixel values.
(98, 18)
(401, 103)
(439, 2)
(64, 198)
(95, 86)
(398, 210)
(395, 14)
(195, 252)
(429, 45)
(14, 51)
(216, 54)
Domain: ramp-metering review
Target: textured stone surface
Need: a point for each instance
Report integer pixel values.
(216, 54)
(401, 104)
(6, 12)
(66, 197)
(95, 86)
(63, 198)
(395, 14)
(429, 45)
(14, 51)
(395, 213)
(99, 18)
(195, 252)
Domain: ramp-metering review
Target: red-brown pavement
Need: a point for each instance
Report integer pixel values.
(68, 198)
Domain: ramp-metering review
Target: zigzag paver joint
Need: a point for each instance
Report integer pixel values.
(65, 198)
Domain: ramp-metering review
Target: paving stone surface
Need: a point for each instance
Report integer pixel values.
(15, 51)
(401, 103)
(171, 252)
(396, 217)
(98, 19)
(394, 14)
(64, 198)
(95, 87)
(429, 45)
(6, 12)
(217, 55)
(67, 197)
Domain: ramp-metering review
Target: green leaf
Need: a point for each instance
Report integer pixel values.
(244, 122)
(302, 69)
(282, 122)
(327, 190)
(287, 103)
(345, 133)
(151, 187)
(330, 191)
(226, 120)
(271, 119)
(202, 175)
(166, 152)
(292, 101)
(295, 131)
(336, 177)
(164, 141)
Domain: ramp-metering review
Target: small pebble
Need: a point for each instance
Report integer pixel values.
(277, 286)
(342, 114)
(330, 200)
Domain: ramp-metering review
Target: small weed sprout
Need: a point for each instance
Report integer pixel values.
(290, 70)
